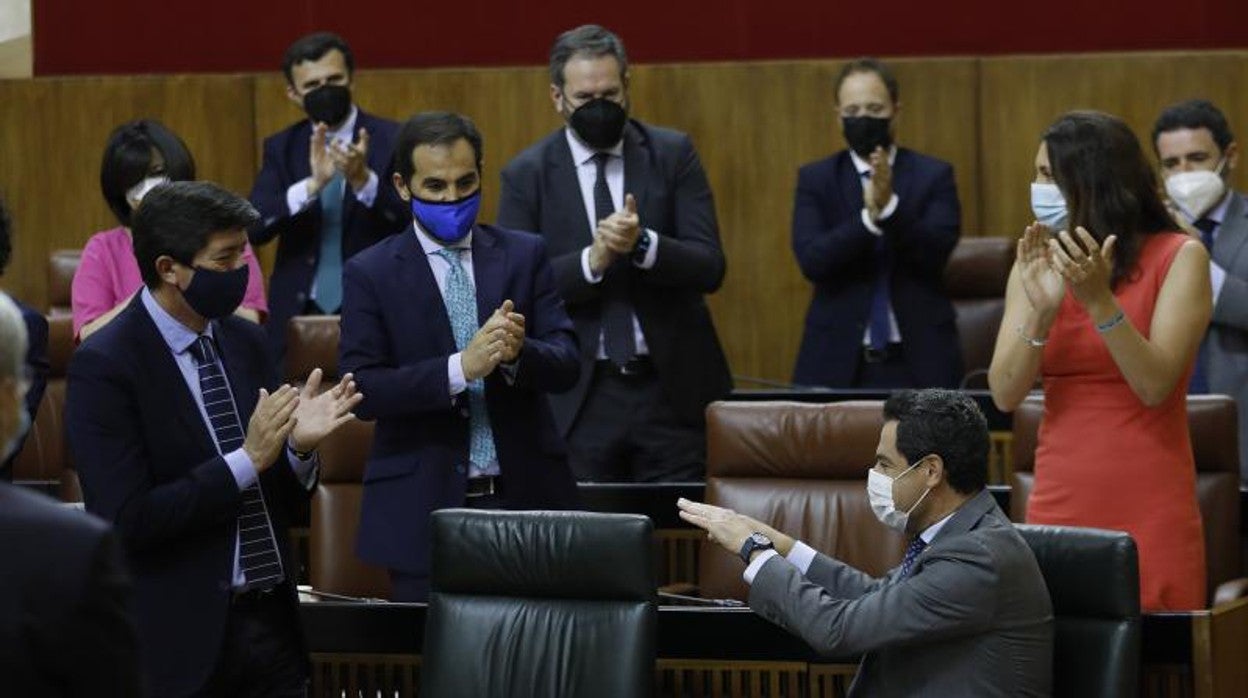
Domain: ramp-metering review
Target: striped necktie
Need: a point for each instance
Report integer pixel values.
(258, 557)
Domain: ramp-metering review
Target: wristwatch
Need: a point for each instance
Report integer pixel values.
(756, 541)
(641, 248)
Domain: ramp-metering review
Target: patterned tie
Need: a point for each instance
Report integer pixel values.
(619, 343)
(881, 293)
(912, 553)
(329, 262)
(461, 306)
(258, 558)
(1199, 382)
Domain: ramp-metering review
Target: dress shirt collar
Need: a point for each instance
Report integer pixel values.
(929, 533)
(1217, 214)
(431, 246)
(346, 132)
(177, 336)
(864, 167)
(583, 154)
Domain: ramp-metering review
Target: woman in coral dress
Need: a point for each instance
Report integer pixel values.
(1107, 303)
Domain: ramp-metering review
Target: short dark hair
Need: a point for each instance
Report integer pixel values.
(1194, 114)
(176, 219)
(589, 40)
(433, 128)
(128, 155)
(312, 48)
(6, 240)
(868, 65)
(946, 423)
(1109, 186)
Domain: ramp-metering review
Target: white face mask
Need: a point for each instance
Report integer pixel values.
(136, 193)
(880, 494)
(1049, 206)
(1196, 192)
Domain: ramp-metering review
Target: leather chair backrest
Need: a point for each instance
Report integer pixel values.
(312, 342)
(802, 468)
(1094, 582)
(1213, 422)
(332, 565)
(975, 280)
(540, 604)
(45, 456)
(62, 265)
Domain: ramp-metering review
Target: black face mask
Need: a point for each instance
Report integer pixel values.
(328, 104)
(215, 294)
(599, 123)
(865, 133)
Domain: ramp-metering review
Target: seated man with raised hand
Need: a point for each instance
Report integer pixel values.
(966, 613)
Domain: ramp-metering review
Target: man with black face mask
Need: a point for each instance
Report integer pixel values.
(320, 187)
(629, 219)
(873, 227)
(184, 442)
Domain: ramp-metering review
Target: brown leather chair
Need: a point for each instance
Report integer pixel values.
(312, 342)
(975, 280)
(62, 265)
(1215, 446)
(45, 456)
(802, 468)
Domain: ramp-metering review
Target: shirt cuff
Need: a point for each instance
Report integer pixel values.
(757, 564)
(243, 469)
(801, 555)
(888, 210)
(297, 197)
(368, 193)
(652, 252)
(1218, 276)
(455, 373)
(586, 271)
(305, 469)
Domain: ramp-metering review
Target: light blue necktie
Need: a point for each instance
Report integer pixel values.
(329, 263)
(461, 307)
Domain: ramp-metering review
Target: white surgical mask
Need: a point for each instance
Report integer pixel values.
(880, 494)
(1049, 206)
(1196, 192)
(136, 193)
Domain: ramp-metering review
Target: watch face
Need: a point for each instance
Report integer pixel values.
(760, 539)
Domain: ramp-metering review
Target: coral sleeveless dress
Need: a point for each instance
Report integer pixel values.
(1106, 460)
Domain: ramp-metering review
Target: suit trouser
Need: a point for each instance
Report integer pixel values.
(262, 654)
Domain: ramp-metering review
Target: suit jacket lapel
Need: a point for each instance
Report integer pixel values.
(415, 281)
(489, 264)
(163, 371)
(636, 165)
(851, 181)
(1233, 234)
(568, 205)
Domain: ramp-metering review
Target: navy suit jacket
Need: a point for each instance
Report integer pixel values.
(37, 364)
(836, 253)
(149, 465)
(541, 193)
(396, 337)
(286, 162)
(65, 625)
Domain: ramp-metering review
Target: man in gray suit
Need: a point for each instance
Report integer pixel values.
(967, 611)
(1197, 152)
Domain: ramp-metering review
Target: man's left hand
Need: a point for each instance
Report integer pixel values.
(352, 160)
(512, 324)
(319, 415)
(881, 189)
(621, 229)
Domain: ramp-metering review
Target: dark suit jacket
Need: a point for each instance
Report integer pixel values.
(286, 162)
(541, 193)
(396, 337)
(149, 465)
(65, 625)
(972, 619)
(37, 363)
(836, 253)
(1226, 344)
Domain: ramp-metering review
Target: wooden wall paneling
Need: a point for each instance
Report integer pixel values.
(53, 139)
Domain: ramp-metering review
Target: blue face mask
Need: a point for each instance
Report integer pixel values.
(1049, 206)
(447, 221)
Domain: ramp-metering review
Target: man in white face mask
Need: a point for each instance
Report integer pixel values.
(1197, 153)
(967, 588)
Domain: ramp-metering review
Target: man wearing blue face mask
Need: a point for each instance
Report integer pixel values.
(456, 333)
(968, 586)
(873, 227)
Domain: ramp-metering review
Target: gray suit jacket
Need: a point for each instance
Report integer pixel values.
(972, 619)
(1226, 344)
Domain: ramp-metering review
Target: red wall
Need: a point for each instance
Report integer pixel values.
(167, 36)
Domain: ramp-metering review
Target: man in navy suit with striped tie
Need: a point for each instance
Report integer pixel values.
(184, 442)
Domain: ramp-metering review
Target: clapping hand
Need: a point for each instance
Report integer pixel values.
(319, 414)
(1085, 265)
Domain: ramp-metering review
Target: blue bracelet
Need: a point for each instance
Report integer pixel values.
(1116, 320)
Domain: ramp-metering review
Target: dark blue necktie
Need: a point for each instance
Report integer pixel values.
(258, 558)
(881, 292)
(618, 342)
(912, 553)
(1200, 374)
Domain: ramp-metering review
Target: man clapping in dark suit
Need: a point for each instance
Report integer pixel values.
(628, 216)
(183, 440)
